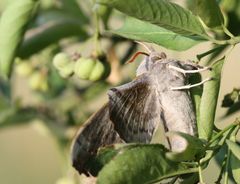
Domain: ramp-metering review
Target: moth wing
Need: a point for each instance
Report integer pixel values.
(97, 132)
(135, 109)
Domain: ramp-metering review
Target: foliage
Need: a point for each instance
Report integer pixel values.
(36, 42)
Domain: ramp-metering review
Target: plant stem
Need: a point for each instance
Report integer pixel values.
(222, 171)
(226, 167)
(231, 41)
(227, 32)
(200, 173)
(96, 35)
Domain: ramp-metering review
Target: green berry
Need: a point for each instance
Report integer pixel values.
(97, 72)
(38, 82)
(24, 69)
(84, 67)
(60, 60)
(67, 71)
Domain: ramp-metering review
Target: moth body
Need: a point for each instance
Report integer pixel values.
(135, 109)
(177, 109)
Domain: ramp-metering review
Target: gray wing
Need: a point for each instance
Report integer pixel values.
(135, 109)
(97, 132)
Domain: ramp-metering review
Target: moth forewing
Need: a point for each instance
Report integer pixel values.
(134, 109)
(97, 132)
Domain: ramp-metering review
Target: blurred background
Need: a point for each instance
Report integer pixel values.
(38, 122)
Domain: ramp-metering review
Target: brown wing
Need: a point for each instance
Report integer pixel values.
(97, 132)
(135, 109)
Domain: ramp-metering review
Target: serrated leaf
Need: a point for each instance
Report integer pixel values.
(194, 148)
(160, 12)
(209, 12)
(12, 26)
(235, 168)
(209, 101)
(141, 164)
(144, 31)
(234, 147)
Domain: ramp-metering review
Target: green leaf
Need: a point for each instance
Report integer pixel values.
(141, 164)
(95, 164)
(189, 178)
(209, 101)
(209, 12)
(12, 116)
(234, 147)
(160, 12)
(57, 26)
(12, 26)
(195, 148)
(73, 8)
(196, 94)
(234, 159)
(233, 109)
(144, 31)
(235, 168)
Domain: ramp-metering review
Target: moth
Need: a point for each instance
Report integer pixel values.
(159, 93)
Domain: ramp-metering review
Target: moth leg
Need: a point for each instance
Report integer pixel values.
(191, 86)
(189, 71)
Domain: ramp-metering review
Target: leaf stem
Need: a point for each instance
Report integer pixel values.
(200, 56)
(219, 134)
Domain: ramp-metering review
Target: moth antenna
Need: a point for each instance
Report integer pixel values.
(149, 49)
(136, 55)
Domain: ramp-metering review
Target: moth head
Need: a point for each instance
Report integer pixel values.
(148, 63)
(157, 56)
(151, 57)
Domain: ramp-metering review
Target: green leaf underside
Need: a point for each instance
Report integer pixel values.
(235, 167)
(209, 12)
(234, 159)
(12, 26)
(144, 31)
(209, 101)
(160, 12)
(234, 147)
(141, 164)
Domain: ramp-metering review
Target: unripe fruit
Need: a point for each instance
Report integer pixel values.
(91, 69)
(97, 72)
(38, 82)
(84, 67)
(24, 69)
(67, 71)
(60, 60)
